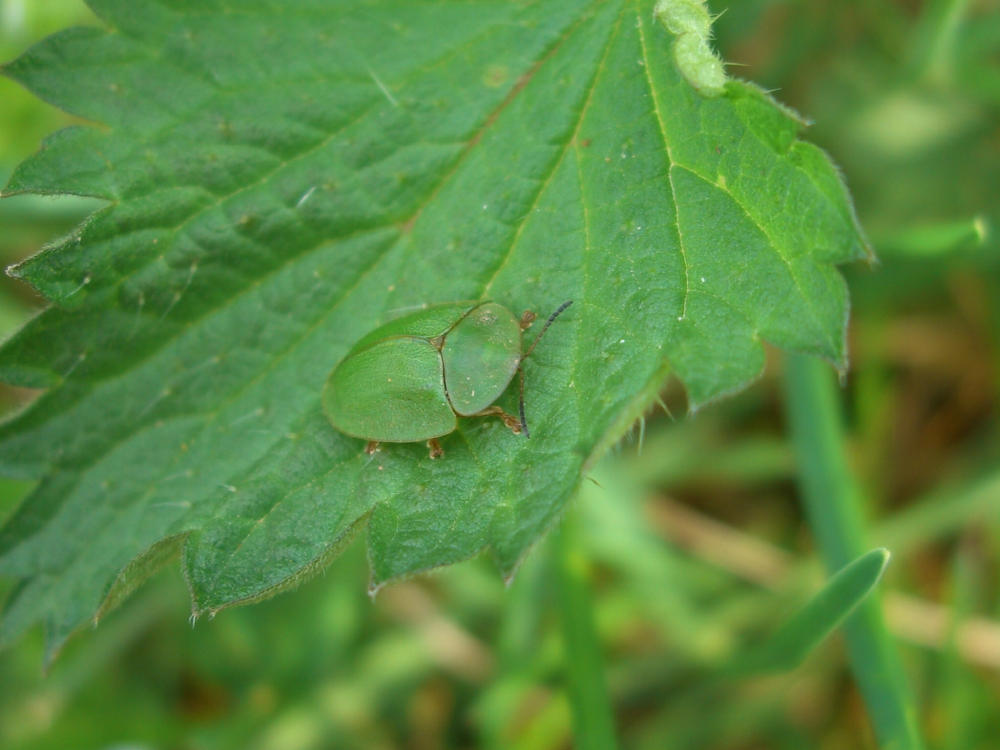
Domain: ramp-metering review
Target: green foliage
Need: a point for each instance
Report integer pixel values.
(833, 502)
(282, 179)
(801, 633)
(688, 543)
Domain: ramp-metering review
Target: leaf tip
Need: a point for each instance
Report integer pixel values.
(53, 647)
(509, 572)
(981, 226)
(886, 556)
(15, 270)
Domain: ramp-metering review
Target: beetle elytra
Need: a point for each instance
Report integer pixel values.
(410, 379)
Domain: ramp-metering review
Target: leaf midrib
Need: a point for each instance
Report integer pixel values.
(521, 84)
(777, 248)
(210, 417)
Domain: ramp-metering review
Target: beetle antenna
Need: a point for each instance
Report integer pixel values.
(520, 406)
(548, 322)
(520, 403)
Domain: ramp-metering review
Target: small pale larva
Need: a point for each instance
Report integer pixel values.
(691, 23)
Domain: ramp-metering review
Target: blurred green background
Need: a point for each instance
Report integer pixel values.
(695, 545)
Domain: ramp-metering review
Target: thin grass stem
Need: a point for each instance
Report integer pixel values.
(833, 504)
(593, 721)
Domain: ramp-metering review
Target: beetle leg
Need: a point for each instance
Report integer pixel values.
(513, 423)
(371, 447)
(527, 318)
(435, 448)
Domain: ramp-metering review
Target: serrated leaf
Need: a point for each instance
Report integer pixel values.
(283, 178)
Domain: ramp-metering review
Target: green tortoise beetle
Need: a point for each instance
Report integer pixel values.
(410, 379)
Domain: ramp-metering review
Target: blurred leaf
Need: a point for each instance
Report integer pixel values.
(935, 239)
(283, 179)
(942, 513)
(26, 120)
(904, 132)
(790, 644)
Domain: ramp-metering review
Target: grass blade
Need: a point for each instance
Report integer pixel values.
(791, 643)
(593, 722)
(833, 504)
